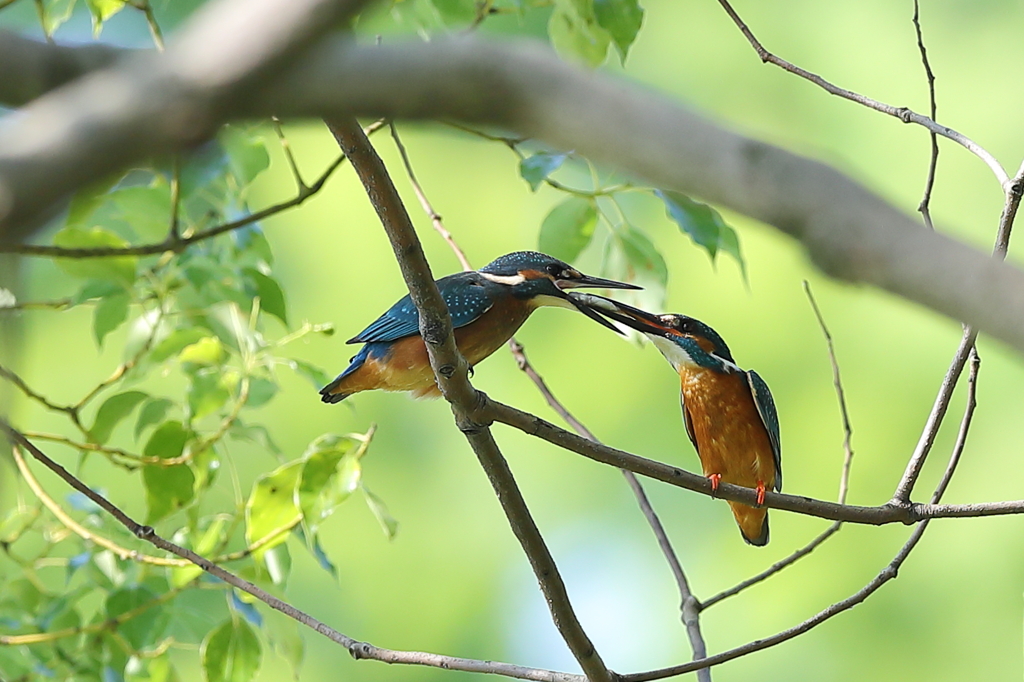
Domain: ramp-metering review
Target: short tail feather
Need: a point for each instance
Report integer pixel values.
(762, 538)
(331, 393)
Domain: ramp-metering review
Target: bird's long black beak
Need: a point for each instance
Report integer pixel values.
(595, 306)
(574, 298)
(587, 282)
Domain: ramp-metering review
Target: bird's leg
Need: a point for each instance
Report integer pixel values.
(760, 493)
(715, 480)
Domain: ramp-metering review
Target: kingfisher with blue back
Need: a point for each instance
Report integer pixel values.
(729, 413)
(487, 307)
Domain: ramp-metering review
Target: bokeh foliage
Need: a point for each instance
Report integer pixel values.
(453, 581)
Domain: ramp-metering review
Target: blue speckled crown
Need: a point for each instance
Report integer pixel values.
(512, 263)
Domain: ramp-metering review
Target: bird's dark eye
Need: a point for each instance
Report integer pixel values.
(555, 270)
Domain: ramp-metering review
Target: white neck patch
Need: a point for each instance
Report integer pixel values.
(508, 280)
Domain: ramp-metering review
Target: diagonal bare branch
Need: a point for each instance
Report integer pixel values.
(451, 372)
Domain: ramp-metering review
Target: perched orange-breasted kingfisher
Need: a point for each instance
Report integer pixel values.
(487, 307)
(729, 413)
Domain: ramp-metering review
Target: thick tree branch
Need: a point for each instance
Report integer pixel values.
(451, 372)
(151, 103)
(849, 232)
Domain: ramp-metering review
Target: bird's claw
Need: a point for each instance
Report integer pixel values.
(715, 480)
(760, 493)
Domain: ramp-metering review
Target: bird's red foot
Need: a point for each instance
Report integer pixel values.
(715, 480)
(760, 492)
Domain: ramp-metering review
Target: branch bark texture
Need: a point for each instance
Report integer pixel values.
(849, 232)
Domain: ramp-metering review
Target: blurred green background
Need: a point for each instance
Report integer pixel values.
(454, 581)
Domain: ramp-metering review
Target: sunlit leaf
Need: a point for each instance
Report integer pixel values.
(111, 412)
(205, 352)
(273, 510)
(329, 475)
(101, 11)
(568, 228)
(536, 169)
(55, 13)
(182, 575)
(149, 328)
(278, 561)
(205, 465)
(704, 225)
(270, 293)
(575, 33)
(254, 433)
(231, 653)
(110, 314)
(622, 19)
(117, 269)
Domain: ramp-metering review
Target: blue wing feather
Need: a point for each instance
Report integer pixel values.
(466, 294)
(770, 417)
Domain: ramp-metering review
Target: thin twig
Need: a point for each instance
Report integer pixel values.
(289, 156)
(902, 113)
(179, 245)
(924, 207)
(174, 233)
(435, 218)
(906, 485)
(358, 650)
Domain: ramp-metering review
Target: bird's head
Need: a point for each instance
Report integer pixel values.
(543, 280)
(684, 341)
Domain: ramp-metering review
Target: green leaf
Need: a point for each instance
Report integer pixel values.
(251, 241)
(110, 314)
(231, 653)
(270, 293)
(330, 474)
(55, 13)
(168, 488)
(381, 513)
(704, 225)
(455, 12)
(147, 209)
(175, 342)
(536, 169)
(101, 11)
(643, 257)
(285, 635)
(253, 433)
(575, 33)
(117, 269)
(143, 629)
(95, 289)
(205, 352)
(261, 391)
(168, 441)
(568, 228)
(152, 413)
(208, 391)
(318, 377)
(622, 19)
(205, 465)
(111, 412)
(272, 510)
(183, 575)
(278, 561)
(247, 155)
